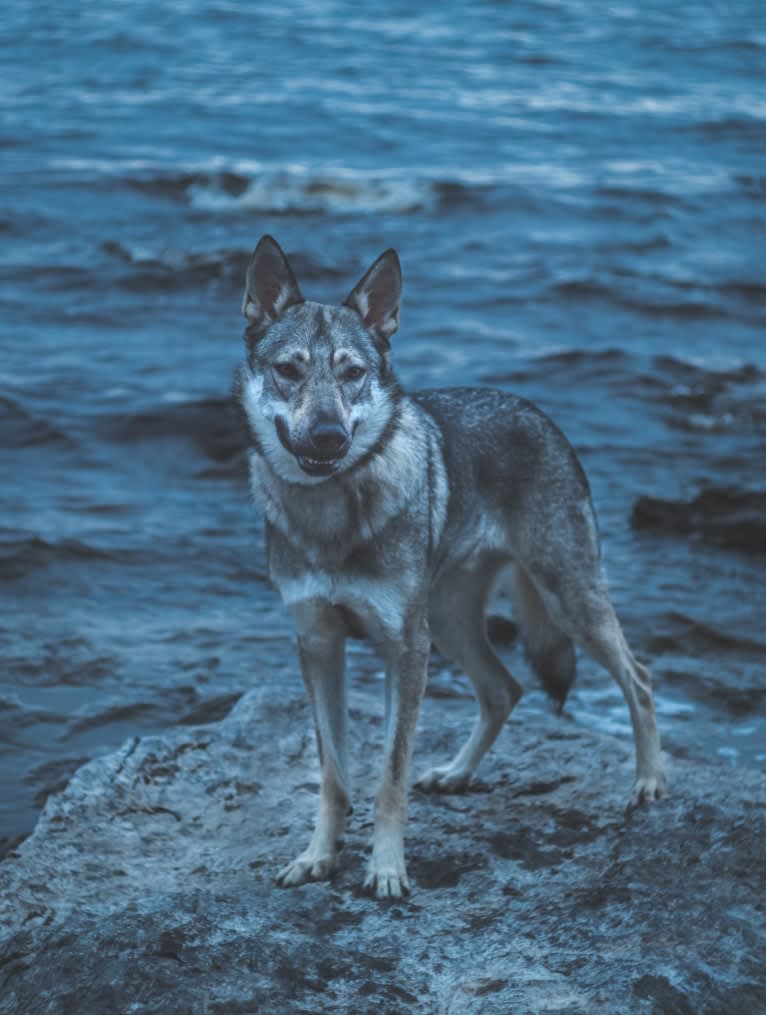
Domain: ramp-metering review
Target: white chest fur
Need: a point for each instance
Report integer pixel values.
(378, 603)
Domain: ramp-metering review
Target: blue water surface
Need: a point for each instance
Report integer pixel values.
(578, 195)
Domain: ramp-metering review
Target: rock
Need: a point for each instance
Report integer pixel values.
(148, 884)
(730, 518)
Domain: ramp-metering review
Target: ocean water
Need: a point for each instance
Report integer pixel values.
(578, 196)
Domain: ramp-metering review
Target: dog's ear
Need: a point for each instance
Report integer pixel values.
(376, 296)
(270, 287)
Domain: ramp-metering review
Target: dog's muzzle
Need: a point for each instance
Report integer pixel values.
(323, 452)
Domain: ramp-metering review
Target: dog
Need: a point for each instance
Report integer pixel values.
(394, 514)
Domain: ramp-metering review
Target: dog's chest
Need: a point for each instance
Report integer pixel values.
(378, 603)
(373, 571)
(375, 579)
(327, 516)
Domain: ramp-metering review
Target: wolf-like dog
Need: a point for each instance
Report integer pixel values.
(394, 514)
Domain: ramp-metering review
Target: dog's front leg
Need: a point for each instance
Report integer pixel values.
(321, 640)
(407, 666)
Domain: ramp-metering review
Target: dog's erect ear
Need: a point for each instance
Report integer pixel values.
(376, 296)
(271, 287)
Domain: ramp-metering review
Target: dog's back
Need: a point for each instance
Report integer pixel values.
(505, 460)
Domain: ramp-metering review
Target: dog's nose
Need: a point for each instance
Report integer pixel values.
(329, 437)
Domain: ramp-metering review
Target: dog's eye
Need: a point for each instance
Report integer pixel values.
(287, 371)
(355, 373)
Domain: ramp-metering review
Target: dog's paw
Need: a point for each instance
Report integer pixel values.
(386, 880)
(646, 789)
(444, 779)
(307, 867)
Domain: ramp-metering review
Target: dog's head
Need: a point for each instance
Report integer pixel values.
(317, 388)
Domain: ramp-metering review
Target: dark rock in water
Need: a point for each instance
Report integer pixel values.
(148, 885)
(734, 519)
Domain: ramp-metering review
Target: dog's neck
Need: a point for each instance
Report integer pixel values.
(350, 508)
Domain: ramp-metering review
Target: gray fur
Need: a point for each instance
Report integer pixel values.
(401, 529)
(549, 651)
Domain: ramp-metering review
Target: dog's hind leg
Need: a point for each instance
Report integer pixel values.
(605, 642)
(458, 627)
(321, 641)
(584, 611)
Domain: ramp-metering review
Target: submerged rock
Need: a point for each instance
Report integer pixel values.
(730, 518)
(148, 884)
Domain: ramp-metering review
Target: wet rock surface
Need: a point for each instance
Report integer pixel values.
(148, 884)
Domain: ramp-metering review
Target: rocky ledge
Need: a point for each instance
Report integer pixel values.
(148, 885)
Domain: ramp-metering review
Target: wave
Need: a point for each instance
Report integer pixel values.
(63, 663)
(690, 396)
(176, 186)
(130, 713)
(20, 429)
(623, 193)
(213, 425)
(658, 295)
(297, 189)
(737, 701)
(701, 398)
(287, 192)
(676, 369)
(20, 557)
(753, 187)
(569, 365)
(168, 268)
(290, 190)
(618, 294)
(304, 189)
(747, 290)
(182, 705)
(730, 128)
(301, 189)
(171, 269)
(685, 635)
(721, 516)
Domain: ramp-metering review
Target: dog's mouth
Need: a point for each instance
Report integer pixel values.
(318, 466)
(324, 466)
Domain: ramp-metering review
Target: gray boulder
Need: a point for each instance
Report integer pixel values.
(148, 884)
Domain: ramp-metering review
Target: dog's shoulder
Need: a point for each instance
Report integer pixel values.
(492, 438)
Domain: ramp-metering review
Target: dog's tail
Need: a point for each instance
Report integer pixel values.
(550, 652)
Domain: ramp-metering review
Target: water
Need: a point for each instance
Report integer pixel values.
(578, 197)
